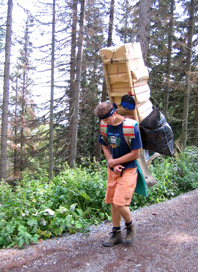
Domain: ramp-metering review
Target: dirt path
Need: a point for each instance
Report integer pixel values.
(167, 240)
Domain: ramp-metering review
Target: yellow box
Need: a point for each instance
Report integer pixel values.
(118, 52)
(116, 68)
(142, 97)
(144, 107)
(119, 78)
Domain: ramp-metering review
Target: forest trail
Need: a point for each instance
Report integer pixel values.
(166, 241)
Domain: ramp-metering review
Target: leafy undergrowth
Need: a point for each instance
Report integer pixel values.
(73, 200)
(175, 175)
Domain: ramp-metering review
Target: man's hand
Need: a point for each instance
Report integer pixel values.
(118, 169)
(111, 162)
(131, 156)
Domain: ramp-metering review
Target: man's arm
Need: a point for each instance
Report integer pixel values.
(117, 168)
(107, 152)
(133, 155)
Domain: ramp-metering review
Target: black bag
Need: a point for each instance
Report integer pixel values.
(156, 134)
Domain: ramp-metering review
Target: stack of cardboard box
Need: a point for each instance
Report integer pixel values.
(125, 72)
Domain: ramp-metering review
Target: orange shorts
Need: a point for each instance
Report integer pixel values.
(120, 189)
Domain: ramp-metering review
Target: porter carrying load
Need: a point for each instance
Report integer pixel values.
(126, 79)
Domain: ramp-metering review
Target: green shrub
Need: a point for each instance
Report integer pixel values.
(177, 174)
(37, 208)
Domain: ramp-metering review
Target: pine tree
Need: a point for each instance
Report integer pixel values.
(51, 140)
(75, 101)
(169, 53)
(188, 71)
(126, 26)
(91, 84)
(23, 120)
(144, 22)
(4, 130)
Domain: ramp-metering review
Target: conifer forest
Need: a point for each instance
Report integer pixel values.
(52, 78)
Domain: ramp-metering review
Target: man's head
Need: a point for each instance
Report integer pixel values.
(104, 110)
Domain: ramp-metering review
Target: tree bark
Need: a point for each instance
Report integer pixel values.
(4, 129)
(23, 100)
(75, 102)
(52, 95)
(73, 48)
(111, 22)
(188, 70)
(109, 44)
(168, 63)
(72, 71)
(196, 120)
(144, 21)
(104, 87)
(15, 160)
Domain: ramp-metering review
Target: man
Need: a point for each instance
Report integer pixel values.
(122, 168)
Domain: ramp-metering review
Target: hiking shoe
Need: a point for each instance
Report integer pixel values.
(130, 234)
(114, 239)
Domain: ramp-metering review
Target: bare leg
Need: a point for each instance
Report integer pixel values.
(125, 212)
(116, 236)
(116, 217)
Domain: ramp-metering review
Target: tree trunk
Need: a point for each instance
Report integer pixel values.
(22, 162)
(4, 129)
(22, 140)
(111, 21)
(72, 71)
(15, 159)
(104, 87)
(195, 142)
(109, 43)
(168, 63)
(73, 45)
(52, 95)
(75, 102)
(144, 21)
(188, 70)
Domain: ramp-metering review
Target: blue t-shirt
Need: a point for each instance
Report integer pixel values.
(117, 144)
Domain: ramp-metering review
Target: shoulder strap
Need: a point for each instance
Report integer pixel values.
(103, 131)
(128, 130)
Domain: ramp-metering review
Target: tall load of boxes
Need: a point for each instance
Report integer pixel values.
(125, 73)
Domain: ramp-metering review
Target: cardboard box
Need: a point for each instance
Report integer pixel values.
(144, 96)
(144, 107)
(126, 72)
(118, 52)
